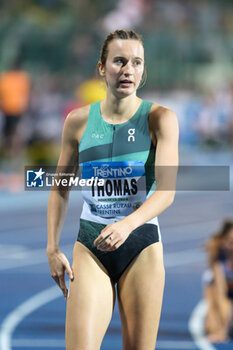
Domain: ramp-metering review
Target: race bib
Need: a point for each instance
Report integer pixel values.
(122, 189)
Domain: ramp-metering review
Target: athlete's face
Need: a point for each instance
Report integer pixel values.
(124, 66)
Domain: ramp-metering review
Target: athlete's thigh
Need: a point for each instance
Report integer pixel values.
(90, 303)
(140, 294)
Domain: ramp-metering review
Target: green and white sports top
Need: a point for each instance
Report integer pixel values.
(121, 154)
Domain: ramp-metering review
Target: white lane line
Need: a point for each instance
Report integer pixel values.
(26, 257)
(175, 344)
(183, 257)
(35, 302)
(56, 343)
(196, 327)
(33, 228)
(17, 315)
(33, 200)
(190, 233)
(38, 343)
(9, 250)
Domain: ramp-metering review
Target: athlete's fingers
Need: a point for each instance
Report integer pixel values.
(62, 284)
(102, 236)
(98, 240)
(68, 269)
(109, 245)
(106, 243)
(59, 278)
(114, 246)
(118, 244)
(105, 228)
(103, 244)
(110, 249)
(103, 247)
(56, 279)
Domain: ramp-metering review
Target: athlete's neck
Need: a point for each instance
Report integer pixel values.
(115, 110)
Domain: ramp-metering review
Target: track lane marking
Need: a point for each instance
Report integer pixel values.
(196, 327)
(17, 315)
(55, 343)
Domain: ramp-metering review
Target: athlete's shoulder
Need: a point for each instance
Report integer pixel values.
(161, 116)
(158, 111)
(75, 123)
(77, 117)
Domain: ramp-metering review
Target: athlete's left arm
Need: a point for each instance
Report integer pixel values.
(165, 131)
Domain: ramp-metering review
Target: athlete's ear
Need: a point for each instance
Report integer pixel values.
(101, 69)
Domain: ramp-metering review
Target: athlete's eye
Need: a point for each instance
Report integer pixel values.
(137, 63)
(119, 61)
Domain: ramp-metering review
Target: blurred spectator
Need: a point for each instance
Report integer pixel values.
(91, 91)
(14, 101)
(47, 105)
(218, 285)
(87, 92)
(213, 123)
(127, 14)
(188, 47)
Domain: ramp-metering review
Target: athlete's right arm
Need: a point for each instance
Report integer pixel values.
(58, 199)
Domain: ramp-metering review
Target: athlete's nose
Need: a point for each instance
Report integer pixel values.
(128, 69)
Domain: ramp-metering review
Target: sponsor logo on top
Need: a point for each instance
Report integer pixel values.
(131, 136)
(97, 136)
(107, 171)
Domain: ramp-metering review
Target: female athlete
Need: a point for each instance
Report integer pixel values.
(121, 140)
(218, 285)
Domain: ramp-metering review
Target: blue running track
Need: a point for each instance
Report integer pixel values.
(32, 307)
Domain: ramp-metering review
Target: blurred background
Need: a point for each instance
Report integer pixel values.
(49, 51)
(55, 45)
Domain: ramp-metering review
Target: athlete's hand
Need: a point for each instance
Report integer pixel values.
(58, 264)
(113, 235)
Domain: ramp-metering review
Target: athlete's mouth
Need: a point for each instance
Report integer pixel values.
(125, 83)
